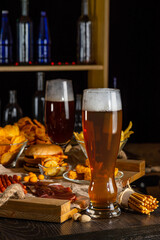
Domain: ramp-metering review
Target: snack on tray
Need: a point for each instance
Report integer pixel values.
(7, 180)
(32, 177)
(50, 156)
(11, 141)
(34, 131)
(83, 172)
(54, 191)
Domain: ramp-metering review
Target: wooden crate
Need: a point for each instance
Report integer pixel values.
(132, 169)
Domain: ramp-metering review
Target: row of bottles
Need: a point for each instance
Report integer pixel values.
(13, 111)
(24, 42)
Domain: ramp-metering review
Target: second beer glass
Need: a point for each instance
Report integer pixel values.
(59, 111)
(102, 123)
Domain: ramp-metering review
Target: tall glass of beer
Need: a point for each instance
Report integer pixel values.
(59, 110)
(102, 123)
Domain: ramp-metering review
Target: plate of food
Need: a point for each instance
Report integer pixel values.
(66, 177)
(48, 159)
(12, 144)
(82, 173)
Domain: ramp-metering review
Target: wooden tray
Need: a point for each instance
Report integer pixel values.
(132, 169)
(40, 209)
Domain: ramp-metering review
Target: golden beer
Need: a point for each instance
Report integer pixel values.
(102, 132)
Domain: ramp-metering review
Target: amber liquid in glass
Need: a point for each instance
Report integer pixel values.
(59, 120)
(102, 131)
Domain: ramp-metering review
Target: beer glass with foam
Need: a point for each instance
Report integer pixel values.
(59, 110)
(102, 123)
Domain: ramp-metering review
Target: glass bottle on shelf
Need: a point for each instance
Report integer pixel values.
(12, 111)
(24, 35)
(39, 98)
(43, 41)
(84, 36)
(78, 114)
(6, 40)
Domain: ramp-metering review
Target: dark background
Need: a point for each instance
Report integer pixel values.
(135, 61)
(134, 50)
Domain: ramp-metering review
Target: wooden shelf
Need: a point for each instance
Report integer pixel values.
(50, 68)
(98, 74)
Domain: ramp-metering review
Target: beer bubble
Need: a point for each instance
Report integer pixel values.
(102, 99)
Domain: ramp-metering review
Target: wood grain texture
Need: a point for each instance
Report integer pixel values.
(51, 68)
(132, 169)
(128, 226)
(130, 165)
(100, 16)
(40, 209)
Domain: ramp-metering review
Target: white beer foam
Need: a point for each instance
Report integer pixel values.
(102, 99)
(59, 92)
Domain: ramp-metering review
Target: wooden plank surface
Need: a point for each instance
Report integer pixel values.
(129, 225)
(40, 209)
(132, 169)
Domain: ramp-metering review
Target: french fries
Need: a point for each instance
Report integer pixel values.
(79, 136)
(127, 132)
(124, 134)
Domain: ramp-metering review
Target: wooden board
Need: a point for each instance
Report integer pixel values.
(55, 210)
(40, 209)
(132, 169)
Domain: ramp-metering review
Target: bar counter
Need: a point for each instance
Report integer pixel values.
(129, 225)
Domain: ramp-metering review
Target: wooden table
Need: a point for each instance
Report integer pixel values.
(127, 226)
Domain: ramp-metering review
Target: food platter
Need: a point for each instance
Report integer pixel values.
(65, 175)
(54, 172)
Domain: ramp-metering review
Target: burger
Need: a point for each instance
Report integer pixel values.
(48, 155)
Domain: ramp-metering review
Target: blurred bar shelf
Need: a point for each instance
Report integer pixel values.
(98, 74)
(31, 68)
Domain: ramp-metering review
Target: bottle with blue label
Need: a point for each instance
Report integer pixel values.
(6, 40)
(44, 41)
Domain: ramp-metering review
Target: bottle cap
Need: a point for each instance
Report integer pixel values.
(43, 13)
(5, 11)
